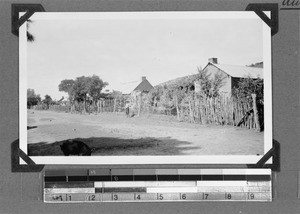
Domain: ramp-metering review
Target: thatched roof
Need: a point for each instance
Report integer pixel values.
(144, 86)
(189, 78)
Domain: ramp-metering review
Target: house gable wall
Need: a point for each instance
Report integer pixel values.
(227, 85)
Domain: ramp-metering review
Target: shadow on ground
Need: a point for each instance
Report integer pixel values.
(107, 146)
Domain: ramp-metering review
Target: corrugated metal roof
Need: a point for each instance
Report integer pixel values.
(239, 71)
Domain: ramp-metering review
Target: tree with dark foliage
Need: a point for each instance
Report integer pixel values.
(47, 100)
(252, 91)
(32, 98)
(248, 86)
(83, 88)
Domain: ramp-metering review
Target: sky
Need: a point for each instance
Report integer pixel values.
(121, 51)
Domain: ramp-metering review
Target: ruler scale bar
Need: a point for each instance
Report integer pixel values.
(69, 190)
(158, 177)
(68, 184)
(99, 178)
(134, 197)
(172, 189)
(145, 184)
(132, 185)
(123, 189)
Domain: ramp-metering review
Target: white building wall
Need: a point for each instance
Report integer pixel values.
(226, 88)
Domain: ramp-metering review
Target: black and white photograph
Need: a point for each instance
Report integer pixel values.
(145, 88)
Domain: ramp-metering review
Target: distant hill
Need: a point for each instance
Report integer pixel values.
(257, 65)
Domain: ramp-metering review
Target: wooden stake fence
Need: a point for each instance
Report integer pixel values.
(219, 110)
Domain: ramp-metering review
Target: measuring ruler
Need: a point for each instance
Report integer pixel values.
(156, 185)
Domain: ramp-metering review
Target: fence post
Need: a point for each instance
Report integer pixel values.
(199, 111)
(191, 111)
(139, 104)
(177, 108)
(256, 116)
(115, 104)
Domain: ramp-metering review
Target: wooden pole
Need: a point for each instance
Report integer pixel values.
(199, 111)
(177, 108)
(115, 104)
(255, 111)
(98, 105)
(191, 112)
(139, 105)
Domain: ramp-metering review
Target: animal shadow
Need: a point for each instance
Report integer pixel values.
(31, 127)
(76, 147)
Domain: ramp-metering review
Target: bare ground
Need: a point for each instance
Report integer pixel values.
(114, 134)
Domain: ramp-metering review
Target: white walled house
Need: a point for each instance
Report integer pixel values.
(232, 74)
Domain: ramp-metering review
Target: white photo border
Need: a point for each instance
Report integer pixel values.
(147, 160)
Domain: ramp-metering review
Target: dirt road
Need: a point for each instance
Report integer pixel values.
(114, 134)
